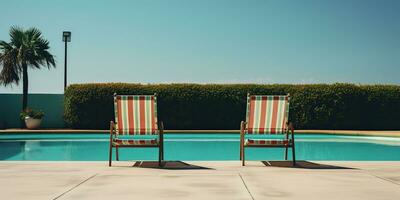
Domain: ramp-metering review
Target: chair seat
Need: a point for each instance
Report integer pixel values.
(267, 142)
(133, 142)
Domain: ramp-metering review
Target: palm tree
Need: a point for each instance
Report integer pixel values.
(27, 48)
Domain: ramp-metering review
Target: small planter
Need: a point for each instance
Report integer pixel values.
(32, 123)
(32, 118)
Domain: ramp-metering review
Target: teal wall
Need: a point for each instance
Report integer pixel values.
(51, 104)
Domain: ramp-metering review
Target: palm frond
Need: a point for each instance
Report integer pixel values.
(17, 36)
(8, 75)
(11, 70)
(25, 47)
(39, 54)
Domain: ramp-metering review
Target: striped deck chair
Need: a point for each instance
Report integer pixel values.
(136, 115)
(267, 115)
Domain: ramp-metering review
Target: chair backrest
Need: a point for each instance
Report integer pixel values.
(136, 114)
(267, 114)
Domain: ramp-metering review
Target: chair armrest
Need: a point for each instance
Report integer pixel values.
(242, 130)
(291, 129)
(112, 128)
(161, 130)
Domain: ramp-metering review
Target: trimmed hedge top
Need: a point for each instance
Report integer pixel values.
(223, 106)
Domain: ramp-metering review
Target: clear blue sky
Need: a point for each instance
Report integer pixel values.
(213, 41)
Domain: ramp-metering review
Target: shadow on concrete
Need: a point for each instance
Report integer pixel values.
(302, 164)
(170, 165)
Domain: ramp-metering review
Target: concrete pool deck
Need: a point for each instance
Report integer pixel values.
(200, 180)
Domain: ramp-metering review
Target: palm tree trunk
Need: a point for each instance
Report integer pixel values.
(25, 86)
(24, 91)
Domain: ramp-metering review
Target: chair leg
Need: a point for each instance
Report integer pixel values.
(243, 157)
(117, 153)
(162, 152)
(240, 152)
(286, 152)
(159, 155)
(110, 156)
(293, 155)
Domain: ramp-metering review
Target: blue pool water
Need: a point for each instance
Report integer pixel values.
(94, 147)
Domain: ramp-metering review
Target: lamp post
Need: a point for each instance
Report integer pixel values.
(66, 37)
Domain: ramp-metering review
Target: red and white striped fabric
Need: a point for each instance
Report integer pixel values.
(136, 114)
(267, 114)
(121, 142)
(261, 142)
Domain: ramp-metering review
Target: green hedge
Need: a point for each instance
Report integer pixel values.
(222, 106)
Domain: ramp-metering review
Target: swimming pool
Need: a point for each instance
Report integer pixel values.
(94, 147)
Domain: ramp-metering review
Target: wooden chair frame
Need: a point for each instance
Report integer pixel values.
(160, 143)
(291, 144)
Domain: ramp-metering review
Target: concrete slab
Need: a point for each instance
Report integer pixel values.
(161, 187)
(320, 185)
(199, 180)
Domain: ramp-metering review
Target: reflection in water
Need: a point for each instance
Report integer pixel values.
(97, 150)
(10, 150)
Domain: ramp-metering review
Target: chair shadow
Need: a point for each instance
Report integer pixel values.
(302, 164)
(169, 165)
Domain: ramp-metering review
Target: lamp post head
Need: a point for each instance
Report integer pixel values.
(66, 37)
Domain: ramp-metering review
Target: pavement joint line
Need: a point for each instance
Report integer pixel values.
(69, 190)
(382, 178)
(164, 175)
(244, 183)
